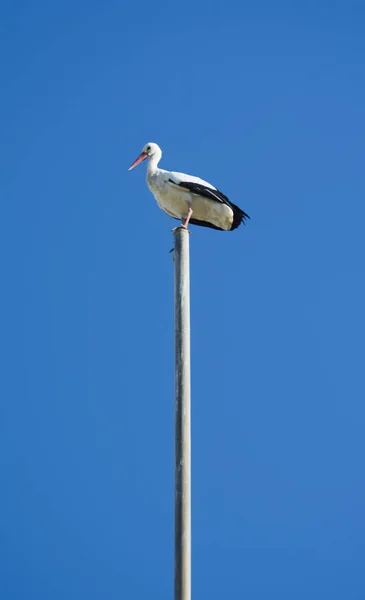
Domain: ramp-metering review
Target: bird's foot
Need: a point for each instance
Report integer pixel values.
(179, 227)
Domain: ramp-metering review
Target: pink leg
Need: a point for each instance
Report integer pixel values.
(186, 222)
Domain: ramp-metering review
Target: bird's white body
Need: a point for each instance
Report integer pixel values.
(183, 196)
(175, 200)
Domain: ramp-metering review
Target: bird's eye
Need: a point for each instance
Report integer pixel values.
(148, 148)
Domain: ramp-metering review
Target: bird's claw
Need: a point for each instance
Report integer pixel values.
(181, 227)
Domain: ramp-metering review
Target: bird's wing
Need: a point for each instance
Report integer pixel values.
(182, 177)
(198, 186)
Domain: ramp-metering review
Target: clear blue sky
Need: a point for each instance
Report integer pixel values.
(265, 100)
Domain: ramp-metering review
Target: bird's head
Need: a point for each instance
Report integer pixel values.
(149, 150)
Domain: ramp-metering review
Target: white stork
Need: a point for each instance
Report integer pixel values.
(187, 198)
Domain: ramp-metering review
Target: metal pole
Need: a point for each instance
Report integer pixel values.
(182, 417)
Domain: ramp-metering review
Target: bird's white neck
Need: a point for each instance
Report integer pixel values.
(153, 161)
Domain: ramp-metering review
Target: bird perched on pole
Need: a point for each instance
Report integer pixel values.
(187, 198)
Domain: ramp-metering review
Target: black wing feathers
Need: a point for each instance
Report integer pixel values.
(202, 190)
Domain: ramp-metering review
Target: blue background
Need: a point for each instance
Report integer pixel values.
(266, 101)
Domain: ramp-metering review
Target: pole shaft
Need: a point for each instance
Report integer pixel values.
(182, 417)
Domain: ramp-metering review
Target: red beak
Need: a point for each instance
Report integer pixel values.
(138, 160)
